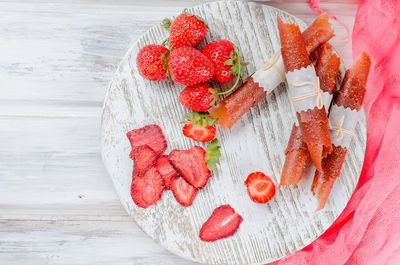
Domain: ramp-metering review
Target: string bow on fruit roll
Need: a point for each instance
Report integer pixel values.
(304, 90)
(297, 155)
(267, 78)
(343, 119)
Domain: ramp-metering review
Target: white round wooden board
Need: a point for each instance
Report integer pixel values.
(256, 143)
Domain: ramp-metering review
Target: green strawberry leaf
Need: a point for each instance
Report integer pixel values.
(164, 59)
(229, 62)
(213, 154)
(199, 118)
(166, 23)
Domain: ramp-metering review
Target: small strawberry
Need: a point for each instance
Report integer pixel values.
(226, 59)
(185, 30)
(149, 62)
(223, 222)
(199, 97)
(146, 190)
(187, 66)
(191, 165)
(200, 127)
(184, 193)
(260, 188)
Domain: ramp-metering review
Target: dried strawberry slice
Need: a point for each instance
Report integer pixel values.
(166, 170)
(223, 222)
(184, 193)
(146, 190)
(150, 135)
(143, 158)
(191, 165)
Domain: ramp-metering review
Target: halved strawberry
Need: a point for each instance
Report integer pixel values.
(166, 170)
(260, 188)
(150, 135)
(184, 193)
(199, 126)
(143, 158)
(223, 222)
(146, 190)
(191, 165)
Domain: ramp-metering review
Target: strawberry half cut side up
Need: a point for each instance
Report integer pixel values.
(191, 165)
(150, 135)
(166, 170)
(146, 190)
(184, 193)
(199, 126)
(223, 222)
(143, 158)
(260, 188)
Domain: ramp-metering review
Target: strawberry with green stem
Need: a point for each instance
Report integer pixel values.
(186, 30)
(200, 97)
(199, 127)
(225, 57)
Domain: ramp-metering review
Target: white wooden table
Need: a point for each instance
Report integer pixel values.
(57, 204)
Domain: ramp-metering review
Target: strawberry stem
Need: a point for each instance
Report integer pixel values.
(239, 73)
(165, 42)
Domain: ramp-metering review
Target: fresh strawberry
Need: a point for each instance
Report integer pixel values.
(146, 190)
(199, 97)
(149, 62)
(150, 135)
(185, 30)
(166, 170)
(200, 127)
(143, 158)
(223, 222)
(184, 193)
(187, 66)
(191, 165)
(260, 188)
(226, 60)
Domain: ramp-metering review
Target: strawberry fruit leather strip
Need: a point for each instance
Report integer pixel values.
(296, 152)
(299, 70)
(234, 106)
(346, 106)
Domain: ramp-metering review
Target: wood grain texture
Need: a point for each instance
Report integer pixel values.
(256, 143)
(56, 61)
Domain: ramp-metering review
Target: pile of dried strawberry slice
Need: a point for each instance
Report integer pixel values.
(183, 171)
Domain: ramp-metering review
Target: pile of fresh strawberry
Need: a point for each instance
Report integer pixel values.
(217, 62)
(183, 171)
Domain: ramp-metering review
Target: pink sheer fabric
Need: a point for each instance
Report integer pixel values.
(368, 230)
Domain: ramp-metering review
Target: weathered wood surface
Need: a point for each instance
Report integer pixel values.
(57, 204)
(256, 143)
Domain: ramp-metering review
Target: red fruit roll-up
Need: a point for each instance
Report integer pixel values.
(267, 78)
(297, 155)
(343, 119)
(305, 93)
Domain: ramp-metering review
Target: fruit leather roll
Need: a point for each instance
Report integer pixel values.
(343, 118)
(267, 78)
(297, 155)
(306, 96)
